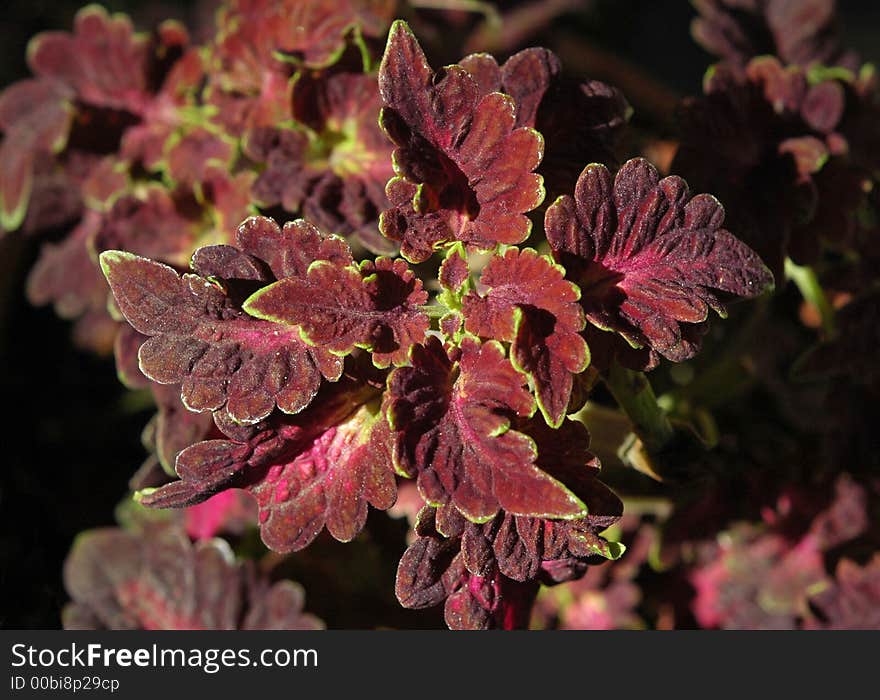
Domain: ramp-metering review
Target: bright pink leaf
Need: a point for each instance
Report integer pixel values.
(228, 511)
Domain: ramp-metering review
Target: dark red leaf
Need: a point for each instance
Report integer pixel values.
(451, 423)
(521, 547)
(494, 602)
(429, 569)
(338, 307)
(174, 427)
(289, 251)
(319, 468)
(432, 571)
(804, 32)
(201, 338)
(454, 271)
(649, 258)
(34, 117)
(529, 303)
(526, 77)
(488, 573)
(333, 166)
(464, 171)
(580, 121)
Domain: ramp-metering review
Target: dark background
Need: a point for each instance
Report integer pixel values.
(69, 439)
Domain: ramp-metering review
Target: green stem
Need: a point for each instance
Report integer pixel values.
(633, 392)
(437, 310)
(808, 285)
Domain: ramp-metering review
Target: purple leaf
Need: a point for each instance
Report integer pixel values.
(35, 117)
(338, 307)
(803, 31)
(318, 469)
(529, 303)
(199, 337)
(451, 422)
(158, 580)
(650, 259)
(464, 171)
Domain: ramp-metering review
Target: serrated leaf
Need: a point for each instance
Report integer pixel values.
(318, 469)
(423, 575)
(579, 121)
(522, 547)
(528, 302)
(348, 161)
(158, 580)
(451, 423)
(804, 32)
(650, 259)
(526, 77)
(454, 272)
(199, 337)
(290, 250)
(338, 307)
(175, 428)
(332, 165)
(464, 171)
(433, 570)
(103, 61)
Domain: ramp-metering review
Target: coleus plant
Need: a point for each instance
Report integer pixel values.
(327, 375)
(339, 271)
(158, 579)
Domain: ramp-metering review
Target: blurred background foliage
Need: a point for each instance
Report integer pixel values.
(60, 474)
